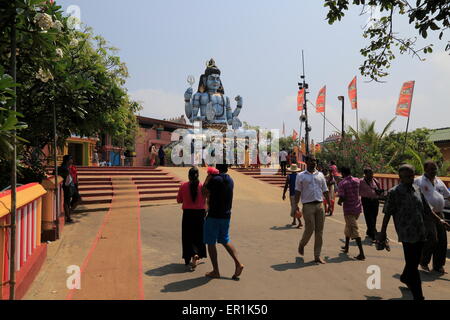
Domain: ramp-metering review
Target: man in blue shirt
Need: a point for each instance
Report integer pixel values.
(219, 190)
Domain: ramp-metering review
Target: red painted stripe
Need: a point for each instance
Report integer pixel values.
(5, 252)
(23, 237)
(92, 249)
(30, 234)
(18, 235)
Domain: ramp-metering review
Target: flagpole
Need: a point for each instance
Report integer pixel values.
(357, 120)
(406, 133)
(323, 125)
(407, 123)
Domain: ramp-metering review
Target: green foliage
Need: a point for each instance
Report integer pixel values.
(384, 152)
(353, 153)
(76, 72)
(287, 143)
(418, 149)
(426, 16)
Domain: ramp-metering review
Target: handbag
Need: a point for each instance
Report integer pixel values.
(298, 214)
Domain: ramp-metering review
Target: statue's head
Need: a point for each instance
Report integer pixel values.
(211, 78)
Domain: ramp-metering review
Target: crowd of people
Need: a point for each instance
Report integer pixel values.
(415, 204)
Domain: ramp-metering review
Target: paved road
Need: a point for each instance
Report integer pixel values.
(265, 241)
(267, 245)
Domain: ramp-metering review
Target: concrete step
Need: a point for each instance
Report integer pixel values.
(95, 183)
(107, 173)
(94, 188)
(167, 178)
(157, 182)
(96, 193)
(158, 197)
(96, 200)
(96, 179)
(168, 191)
(159, 186)
(151, 203)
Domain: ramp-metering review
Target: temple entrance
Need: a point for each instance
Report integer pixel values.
(76, 151)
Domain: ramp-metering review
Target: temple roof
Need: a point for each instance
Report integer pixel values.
(440, 135)
(167, 124)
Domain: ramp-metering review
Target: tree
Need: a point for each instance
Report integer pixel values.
(75, 72)
(368, 135)
(353, 153)
(426, 16)
(287, 143)
(418, 149)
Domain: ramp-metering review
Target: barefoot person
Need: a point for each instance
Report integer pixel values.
(190, 195)
(349, 196)
(290, 183)
(219, 189)
(311, 187)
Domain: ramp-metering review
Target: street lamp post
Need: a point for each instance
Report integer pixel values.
(304, 85)
(341, 98)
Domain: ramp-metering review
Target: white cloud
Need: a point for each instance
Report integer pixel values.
(159, 104)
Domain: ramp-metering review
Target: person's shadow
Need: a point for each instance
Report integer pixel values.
(298, 264)
(172, 268)
(185, 285)
(406, 294)
(286, 227)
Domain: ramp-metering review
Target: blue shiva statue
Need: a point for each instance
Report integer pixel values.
(211, 100)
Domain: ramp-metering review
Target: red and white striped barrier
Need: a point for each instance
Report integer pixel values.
(28, 231)
(388, 181)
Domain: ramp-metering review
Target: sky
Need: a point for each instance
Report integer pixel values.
(257, 45)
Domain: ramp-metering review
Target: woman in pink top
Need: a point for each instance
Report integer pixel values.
(190, 195)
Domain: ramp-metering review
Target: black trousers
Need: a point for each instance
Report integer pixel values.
(192, 234)
(435, 246)
(370, 208)
(283, 167)
(411, 275)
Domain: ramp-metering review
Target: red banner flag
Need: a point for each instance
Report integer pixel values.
(294, 135)
(352, 94)
(320, 102)
(404, 102)
(300, 99)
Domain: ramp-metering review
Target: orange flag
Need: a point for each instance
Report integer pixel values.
(404, 102)
(352, 93)
(303, 146)
(294, 135)
(300, 99)
(320, 102)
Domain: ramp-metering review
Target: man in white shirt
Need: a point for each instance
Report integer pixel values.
(311, 188)
(283, 161)
(435, 192)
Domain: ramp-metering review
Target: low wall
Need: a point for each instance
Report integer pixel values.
(388, 181)
(30, 253)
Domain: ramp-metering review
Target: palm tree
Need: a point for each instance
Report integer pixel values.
(368, 135)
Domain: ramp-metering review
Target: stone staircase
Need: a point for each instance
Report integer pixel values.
(269, 175)
(98, 185)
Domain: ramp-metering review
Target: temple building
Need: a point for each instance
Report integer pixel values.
(441, 138)
(155, 132)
